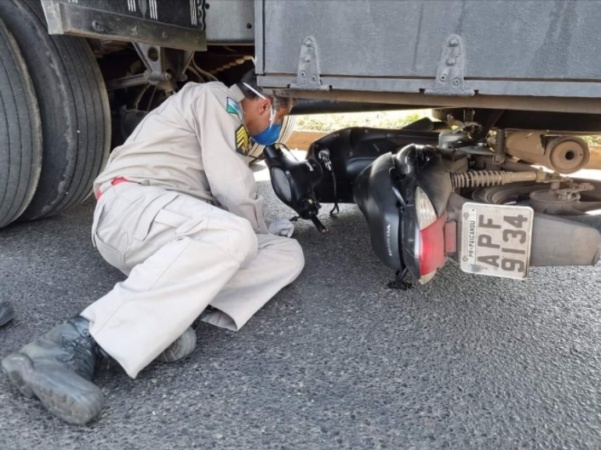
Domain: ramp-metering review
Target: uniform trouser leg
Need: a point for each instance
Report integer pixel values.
(183, 258)
(278, 262)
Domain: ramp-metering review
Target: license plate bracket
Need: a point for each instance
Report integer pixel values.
(496, 239)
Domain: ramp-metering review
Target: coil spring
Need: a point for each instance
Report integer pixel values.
(480, 178)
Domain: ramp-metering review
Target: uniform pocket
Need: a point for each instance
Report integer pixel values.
(150, 213)
(170, 218)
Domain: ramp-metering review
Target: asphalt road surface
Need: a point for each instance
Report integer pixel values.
(336, 360)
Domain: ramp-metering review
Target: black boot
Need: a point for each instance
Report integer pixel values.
(58, 369)
(182, 347)
(7, 312)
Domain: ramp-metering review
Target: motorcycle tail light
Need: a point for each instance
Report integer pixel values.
(426, 214)
(430, 247)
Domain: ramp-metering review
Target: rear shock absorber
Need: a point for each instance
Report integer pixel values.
(482, 178)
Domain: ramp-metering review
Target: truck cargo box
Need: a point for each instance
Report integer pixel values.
(528, 55)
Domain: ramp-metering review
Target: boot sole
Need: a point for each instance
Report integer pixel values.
(63, 392)
(15, 366)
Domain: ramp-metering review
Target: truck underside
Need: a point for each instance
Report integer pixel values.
(510, 87)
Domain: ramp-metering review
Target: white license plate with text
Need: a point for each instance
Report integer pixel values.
(496, 240)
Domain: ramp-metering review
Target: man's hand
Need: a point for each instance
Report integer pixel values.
(281, 227)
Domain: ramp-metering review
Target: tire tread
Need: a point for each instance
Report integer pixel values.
(20, 132)
(74, 109)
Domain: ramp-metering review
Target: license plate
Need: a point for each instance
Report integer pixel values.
(496, 240)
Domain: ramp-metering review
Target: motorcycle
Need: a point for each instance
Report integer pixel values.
(495, 201)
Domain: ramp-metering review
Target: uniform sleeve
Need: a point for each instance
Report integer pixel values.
(222, 136)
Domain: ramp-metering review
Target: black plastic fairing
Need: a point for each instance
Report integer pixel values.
(429, 169)
(385, 194)
(353, 149)
(419, 166)
(374, 196)
(293, 181)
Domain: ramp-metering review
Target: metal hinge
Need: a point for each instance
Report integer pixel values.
(450, 74)
(307, 75)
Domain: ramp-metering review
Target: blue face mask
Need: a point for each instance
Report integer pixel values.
(271, 134)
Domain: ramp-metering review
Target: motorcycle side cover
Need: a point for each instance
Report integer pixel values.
(352, 150)
(385, 194)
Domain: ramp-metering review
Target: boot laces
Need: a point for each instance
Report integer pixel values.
(80, 355)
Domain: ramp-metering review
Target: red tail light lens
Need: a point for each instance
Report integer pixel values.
(432, 255)
(430, 247)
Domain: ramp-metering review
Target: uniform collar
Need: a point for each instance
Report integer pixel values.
(237, 94)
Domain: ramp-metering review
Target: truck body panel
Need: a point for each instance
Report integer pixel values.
(179, 24)
(502, 49)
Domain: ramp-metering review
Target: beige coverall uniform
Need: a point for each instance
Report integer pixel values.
(187, 228)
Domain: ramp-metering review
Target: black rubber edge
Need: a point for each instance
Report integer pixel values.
(74, 109)
(20, 132)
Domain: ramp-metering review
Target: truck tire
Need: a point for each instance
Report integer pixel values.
(73, 104)
(20, 132)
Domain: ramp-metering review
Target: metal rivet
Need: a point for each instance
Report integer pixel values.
(308, 43)
(456, 82)
(307, 59)
(454, 43)
(97, 25)
(443, 77)
(164, 35)
(451, 61)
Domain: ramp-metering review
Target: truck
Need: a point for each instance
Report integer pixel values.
(513, 86)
